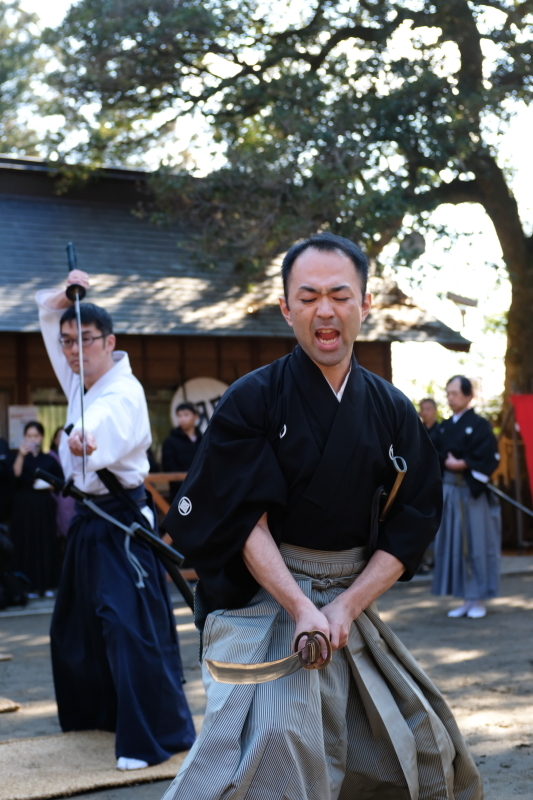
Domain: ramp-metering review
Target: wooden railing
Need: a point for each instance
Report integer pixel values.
(153, 478)
(151, 482)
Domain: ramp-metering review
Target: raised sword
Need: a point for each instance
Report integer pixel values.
(75, 293)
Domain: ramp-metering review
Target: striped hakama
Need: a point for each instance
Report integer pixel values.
(370, 726)
(468, 543)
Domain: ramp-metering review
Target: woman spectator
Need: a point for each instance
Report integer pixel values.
(33, 521)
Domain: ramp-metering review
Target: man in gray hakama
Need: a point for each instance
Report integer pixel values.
(468, 543)
(275, 515)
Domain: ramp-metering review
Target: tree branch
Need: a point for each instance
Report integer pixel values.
(454, 192)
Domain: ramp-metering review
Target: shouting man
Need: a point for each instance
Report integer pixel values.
(115, 653)
(275, 516)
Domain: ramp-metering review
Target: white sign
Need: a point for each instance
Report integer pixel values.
(204, 393)
(18, 417)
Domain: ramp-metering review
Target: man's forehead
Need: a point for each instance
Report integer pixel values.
(85, 326)
(325, 269)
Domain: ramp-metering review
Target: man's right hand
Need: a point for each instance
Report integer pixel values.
(60, 300)
(75, 443)
(311, 619)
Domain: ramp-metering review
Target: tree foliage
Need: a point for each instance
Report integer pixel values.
(19, 40)
(328, 122)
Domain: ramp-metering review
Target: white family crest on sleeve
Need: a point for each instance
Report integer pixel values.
(184, 506)
(283, 432)
(468, 430)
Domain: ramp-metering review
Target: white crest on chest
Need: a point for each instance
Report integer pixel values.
(184, 506)
(282, 432)
(468, 430)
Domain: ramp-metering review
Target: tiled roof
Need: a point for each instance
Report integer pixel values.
(145, 276)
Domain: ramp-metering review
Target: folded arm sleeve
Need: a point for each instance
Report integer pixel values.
(482, 453)
(234, 479)
(113, 419)
(49, 321)
(415, 516)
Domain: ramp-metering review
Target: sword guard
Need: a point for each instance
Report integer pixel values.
(314, 648)
(75, 290)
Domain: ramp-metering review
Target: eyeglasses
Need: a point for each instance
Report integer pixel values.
(87, 339)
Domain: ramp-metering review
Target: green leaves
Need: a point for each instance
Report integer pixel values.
(18, 64)
(349, 116)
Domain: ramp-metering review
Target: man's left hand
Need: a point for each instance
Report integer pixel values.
(340, 617)
(75, 443)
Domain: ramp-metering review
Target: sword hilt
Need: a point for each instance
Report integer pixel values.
(74, 290)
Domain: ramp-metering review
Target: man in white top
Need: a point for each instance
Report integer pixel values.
(115, 652)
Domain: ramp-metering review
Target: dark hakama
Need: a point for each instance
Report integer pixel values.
(374, 726)
(468, 544)
(115, 653)
(33, 526)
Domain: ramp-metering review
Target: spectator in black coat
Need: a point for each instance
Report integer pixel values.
(6, 487)
(428, 415)
(182, 444)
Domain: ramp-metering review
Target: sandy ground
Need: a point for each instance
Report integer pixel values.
(483, 667)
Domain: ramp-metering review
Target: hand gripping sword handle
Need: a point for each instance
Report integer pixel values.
(74, 290)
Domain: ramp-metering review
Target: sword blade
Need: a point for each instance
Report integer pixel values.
(82, 386)
(510, 500)
(223, 672)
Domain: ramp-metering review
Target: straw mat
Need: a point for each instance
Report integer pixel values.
(69, 763)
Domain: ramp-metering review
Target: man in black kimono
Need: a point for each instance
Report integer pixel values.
(428, 415)
(467, 547)
(275, 517)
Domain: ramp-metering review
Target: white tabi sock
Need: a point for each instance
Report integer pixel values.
(477, 610)
(131, 763)
(462, 611)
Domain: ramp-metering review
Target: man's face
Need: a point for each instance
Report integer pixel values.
(186, 419)
(325, 305)
(428, 412)
(456, 399)
(96, 350)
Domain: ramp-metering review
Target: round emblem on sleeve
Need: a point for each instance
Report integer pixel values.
(468, 430)
(184, 506)
(283, 432)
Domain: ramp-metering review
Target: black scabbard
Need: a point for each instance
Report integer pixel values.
(170, 557)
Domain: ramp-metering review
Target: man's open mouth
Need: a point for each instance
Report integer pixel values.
(327, 336)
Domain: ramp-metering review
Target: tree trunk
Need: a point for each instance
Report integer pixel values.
(519, 354)
(501, 206)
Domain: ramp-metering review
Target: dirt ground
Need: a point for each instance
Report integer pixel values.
(483, 667)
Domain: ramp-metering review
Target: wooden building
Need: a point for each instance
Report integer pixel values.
(177, 320)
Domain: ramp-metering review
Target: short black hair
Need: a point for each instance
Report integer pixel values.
(90, 313)
(329, 242)
(34, 424)
(186, 407)
(428, 400)
(466, 385)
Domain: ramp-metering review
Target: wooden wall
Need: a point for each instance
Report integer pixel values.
(163, 361)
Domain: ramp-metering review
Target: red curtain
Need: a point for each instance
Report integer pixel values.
(523, 409)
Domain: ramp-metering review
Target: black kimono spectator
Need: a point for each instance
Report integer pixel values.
(468, 543)
(428, 415)
(33, 521)
(5, 480)
(182, 444)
